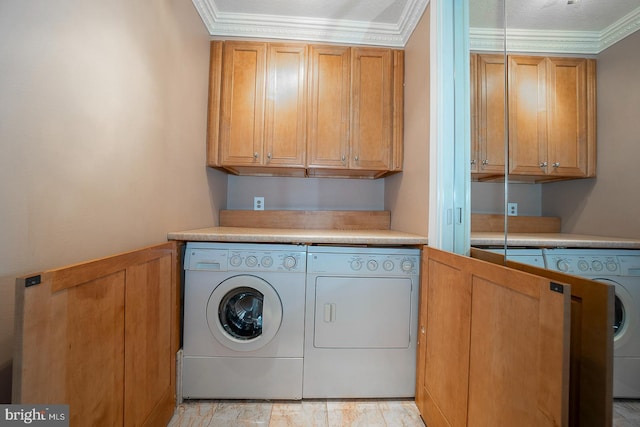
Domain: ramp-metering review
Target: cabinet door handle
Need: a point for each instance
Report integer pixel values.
(543, 164)
(473, 162)
(344, 159)
(556, 164)
(355, 158)
(485, 162)
(268, 156)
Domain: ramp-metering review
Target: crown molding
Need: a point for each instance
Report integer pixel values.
(565, 42)
(220, 24)
(620, 29)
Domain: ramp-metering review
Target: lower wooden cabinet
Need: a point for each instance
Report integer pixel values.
(101, 337)
(507, 346)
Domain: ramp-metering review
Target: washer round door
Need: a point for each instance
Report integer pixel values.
(244, 313)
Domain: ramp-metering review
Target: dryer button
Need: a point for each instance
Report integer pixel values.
(251, 261)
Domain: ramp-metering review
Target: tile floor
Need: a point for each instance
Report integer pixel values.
(306, 413)
(626, 413)
(330, 413)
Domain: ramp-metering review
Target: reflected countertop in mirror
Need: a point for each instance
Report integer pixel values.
(552, 240)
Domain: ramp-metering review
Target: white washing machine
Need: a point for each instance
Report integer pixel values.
(361, 322)
(620, 268)
(243, 321)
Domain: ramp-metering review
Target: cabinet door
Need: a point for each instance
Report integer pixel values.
(329, 90)
(528, 115)
(101, 336)
(473, 90)
(571, 91)
(70, 345)
(285, 123)
(490, 114)
(242, 108)
(371, 112)
(493, 347)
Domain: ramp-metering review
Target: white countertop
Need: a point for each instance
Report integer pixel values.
(290, 235)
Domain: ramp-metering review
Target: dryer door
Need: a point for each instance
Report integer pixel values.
(244, 313)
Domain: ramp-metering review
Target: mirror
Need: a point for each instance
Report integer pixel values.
(545, 45)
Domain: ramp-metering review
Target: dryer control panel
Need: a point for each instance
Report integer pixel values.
(364, 262)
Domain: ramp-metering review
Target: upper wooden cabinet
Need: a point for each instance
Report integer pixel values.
(263, 106)
(295, 109)
(488, 137)
(551, 110)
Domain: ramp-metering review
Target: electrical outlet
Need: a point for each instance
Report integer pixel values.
(512, 209)
(258, 203)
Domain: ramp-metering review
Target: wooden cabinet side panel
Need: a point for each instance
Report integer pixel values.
(528, 115)
(150, 357)
(444, 362)
(397, 151)
(242, 108)
(330, 103)
(286, 101)
(371, 113)
(213, 120)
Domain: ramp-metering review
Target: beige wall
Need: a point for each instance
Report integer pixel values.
(102, 134)
(608, 204)
(407, 194)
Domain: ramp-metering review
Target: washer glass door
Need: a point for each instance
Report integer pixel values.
(244, 313)
(240, 313)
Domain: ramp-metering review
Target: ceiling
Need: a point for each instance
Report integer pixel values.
(586, 26)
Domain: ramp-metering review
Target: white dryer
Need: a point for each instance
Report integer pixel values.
(361, 322)
(243, 321)
(620, 268)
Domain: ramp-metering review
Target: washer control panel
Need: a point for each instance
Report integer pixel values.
(584, 264)
(594, 262)
(245, 259)
(365, 263)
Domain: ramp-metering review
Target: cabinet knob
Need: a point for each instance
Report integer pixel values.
(485, 162)
(556, 164)
(255, 155)
(268, 156)
(473, 162)
(355, 158)
(344, 159)
(543, 164)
